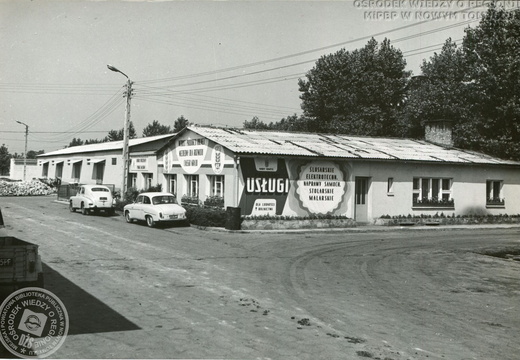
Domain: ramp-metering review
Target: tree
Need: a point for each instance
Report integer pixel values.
(31, 154)
(492, 54)
(5, 160)
(180, 123)
(255, 124)
(117, 135)
(156, 129)
(356, 92)
(75, 142)
(290, 123)
(439, 93)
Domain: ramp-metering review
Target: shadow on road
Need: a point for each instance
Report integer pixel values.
(87, 314)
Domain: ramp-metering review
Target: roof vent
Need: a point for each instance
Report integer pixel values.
(439, 132)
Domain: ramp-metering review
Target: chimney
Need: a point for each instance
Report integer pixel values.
(439, 132)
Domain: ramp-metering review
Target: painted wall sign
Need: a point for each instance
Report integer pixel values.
(139, 164)
(191, 153)
(264, 207)
(266, 186)
(266, 164)
(321, 186)
(217, 159)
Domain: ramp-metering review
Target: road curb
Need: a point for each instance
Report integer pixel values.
(355, 230)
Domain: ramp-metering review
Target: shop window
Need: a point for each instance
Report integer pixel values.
(494, 195)
(432, 192)
(390, 187)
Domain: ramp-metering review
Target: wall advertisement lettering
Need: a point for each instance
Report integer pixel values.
(139, 164)
(320, 187)
(191, 153)
(266, 186)
(217, 159)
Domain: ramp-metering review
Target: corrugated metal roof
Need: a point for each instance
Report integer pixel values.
(341, 146)
(106, 146)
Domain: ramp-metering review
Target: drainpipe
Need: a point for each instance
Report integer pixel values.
(237, 181)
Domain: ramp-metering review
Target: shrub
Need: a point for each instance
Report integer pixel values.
(215, 201)
(206, 216)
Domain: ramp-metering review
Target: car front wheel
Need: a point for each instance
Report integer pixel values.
(128, 218)
(149, 221)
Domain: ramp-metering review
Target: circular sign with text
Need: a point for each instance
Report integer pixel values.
(320, 186)
(33, 323)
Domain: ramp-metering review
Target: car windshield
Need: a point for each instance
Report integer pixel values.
(163, 199)
(100, 189)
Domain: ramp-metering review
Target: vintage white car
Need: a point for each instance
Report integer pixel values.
(155, 207)
(92, 198)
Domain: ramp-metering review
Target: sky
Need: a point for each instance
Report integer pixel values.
(214, 62)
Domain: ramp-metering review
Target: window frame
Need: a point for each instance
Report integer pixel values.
(216, 185)
(493, 201)
(390, 186)
(432, 192)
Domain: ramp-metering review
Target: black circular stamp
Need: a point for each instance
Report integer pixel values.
(33, 323)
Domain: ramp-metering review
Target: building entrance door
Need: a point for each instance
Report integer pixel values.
(361, 190)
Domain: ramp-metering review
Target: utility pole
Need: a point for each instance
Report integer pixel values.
(126, 131)
(25, 154)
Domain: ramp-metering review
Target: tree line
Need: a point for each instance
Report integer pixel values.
(367, 91)
(152, 129)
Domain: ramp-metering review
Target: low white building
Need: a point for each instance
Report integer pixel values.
(364, 178)
(102, 163)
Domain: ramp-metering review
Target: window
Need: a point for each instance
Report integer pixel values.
(494, 195)
(390, 187)
(148, 178)
(432, 192)
(114, 161)
(192, 182)
(98, 172)
(217, 185)
(133, 180)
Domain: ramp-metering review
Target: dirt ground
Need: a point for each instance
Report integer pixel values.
(181, 292)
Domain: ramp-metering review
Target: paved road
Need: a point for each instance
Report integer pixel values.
(177, 292)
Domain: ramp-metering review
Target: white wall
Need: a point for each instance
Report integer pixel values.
(16, 171)
(468, 187)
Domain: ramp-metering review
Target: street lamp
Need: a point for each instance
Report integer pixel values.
(126, 130)
(25, 154)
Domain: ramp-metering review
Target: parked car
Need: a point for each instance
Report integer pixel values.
(155, 207)
(92, 198)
